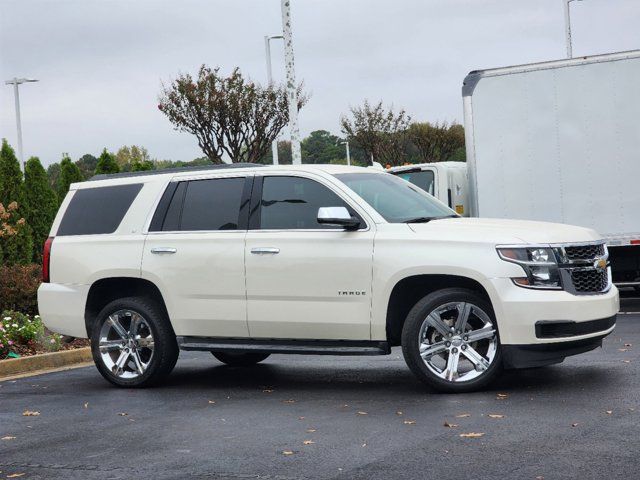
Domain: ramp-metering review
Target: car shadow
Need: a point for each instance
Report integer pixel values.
(394, 378)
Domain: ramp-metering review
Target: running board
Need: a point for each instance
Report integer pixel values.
(304, 347)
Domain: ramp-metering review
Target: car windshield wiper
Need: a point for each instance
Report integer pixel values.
(428, 219)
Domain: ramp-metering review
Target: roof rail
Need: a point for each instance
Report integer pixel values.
(143, 173)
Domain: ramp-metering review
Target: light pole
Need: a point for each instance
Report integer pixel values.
(292, 90)
(346, 144)
(567, 26)
(15, 82)
(267, 48)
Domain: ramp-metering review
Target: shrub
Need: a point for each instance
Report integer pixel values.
(19, 288)
(20, 330)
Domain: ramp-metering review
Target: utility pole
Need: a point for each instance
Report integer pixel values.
(15, 82)
(567, 26)
(292, 92)
(346, 144)
(267, 48)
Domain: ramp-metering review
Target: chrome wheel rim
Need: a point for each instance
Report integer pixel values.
(126, 344)
(458, 341)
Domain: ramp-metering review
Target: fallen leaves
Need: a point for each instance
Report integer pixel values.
(29, 413)
(502, 396)
(8, 437)
(608, 412)
(287, 452)
(288, 401)
(398, 412)
(626, 361)
(472, 435)
(575, 424)
(15, 475)
(123, 414)
(628, 345)
(267, 390)
(463, 415)
(362, 413)
(450, 425)
(495, 415)
(212, 402)
(86, 405)
(308, 442)
(409, 422)
(311, 430)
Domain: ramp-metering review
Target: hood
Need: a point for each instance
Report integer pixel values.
(500, 231)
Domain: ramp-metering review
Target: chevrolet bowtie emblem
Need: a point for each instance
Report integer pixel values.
(600, 264)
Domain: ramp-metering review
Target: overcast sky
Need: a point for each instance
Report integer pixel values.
(101, 62)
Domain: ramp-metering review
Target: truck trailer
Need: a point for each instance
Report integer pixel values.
(554, 141)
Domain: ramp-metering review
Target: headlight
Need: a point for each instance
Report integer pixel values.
(539, 264)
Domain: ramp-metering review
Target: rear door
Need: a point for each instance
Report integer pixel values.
(306, 280)
(194, 252)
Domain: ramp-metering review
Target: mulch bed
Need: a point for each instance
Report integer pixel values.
(34, 348)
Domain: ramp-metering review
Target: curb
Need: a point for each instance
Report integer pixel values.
(44, 361)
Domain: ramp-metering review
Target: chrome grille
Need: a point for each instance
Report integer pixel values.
(584, 252)
(579, 271)
(586, 280)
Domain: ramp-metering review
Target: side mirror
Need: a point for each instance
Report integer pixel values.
(339, 217)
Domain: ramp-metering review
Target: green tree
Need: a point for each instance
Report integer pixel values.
(42, 204)
(379, 131)
(436, 142)
(87, 165)
(106, 163)
(69, 173)
(53, 172)
(322, 147)
(16, 244)
(127, 157)
(230, 116)
(11, 186)
(142, 166)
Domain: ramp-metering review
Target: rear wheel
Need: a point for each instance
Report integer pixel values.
(450, 341)
(133, 344)
(240, 359)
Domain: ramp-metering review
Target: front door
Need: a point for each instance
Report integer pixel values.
(196, 256)
(305, 280)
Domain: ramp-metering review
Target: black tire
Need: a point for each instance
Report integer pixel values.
(165, 346)
(411, 334)
(240, 359)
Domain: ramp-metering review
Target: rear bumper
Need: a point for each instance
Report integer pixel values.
(527, 356)
(62, 308)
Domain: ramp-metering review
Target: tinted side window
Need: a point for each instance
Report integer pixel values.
(293, 203)
(172, 218)
(212, 204)
(97, 210)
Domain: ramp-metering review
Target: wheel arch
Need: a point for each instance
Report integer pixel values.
(409, 290)
(106, 290)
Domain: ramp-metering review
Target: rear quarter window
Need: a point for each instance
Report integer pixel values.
(97, 210)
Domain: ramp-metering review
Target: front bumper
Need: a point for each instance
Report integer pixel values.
(528, 356)
(521, 311)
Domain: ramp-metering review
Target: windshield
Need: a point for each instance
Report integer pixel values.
(397, 200)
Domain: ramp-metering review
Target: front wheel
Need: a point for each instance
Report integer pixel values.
(133, 343)
(450, 341)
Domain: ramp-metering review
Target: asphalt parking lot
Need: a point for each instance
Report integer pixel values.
(333, 417)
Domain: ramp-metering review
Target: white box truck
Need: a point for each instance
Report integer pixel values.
(553, 141)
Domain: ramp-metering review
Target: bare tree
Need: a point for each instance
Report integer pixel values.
(228, 115)
(380, 132)
(436, 142)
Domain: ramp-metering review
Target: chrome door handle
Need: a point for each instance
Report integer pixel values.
(164, 250)
(265, 250)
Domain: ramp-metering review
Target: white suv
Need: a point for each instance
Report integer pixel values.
(244, 261)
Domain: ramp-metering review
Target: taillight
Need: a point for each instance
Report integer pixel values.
(46, 259)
